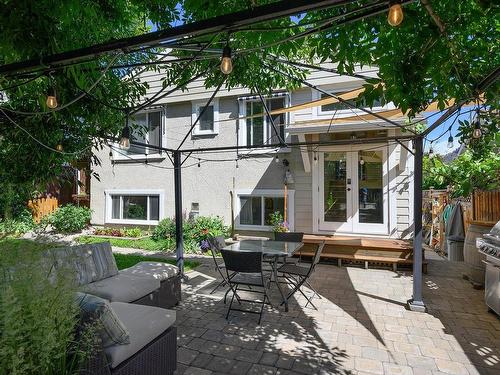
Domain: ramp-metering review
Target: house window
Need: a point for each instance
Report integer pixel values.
(146, 128)
(130, 207)
(258, 127)
(208, 122)
(255, 208)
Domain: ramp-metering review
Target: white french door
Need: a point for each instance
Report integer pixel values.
(353, 193)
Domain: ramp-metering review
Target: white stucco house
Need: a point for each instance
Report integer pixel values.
(361, 190)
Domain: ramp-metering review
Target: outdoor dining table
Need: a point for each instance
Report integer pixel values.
(270, 249)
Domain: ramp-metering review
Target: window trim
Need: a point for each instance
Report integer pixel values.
(242, 125)
(119, 156)
(264, 193)
(137, 192)
(195, 106)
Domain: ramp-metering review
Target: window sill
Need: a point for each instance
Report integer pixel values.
(256, 228)
(138, 158)
(132, 222)
(262, 151)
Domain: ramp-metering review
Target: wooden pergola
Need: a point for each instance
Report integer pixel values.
(231, 22)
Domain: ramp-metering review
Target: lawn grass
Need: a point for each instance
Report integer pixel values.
(10, 243)
(142, 243)
(129, 260)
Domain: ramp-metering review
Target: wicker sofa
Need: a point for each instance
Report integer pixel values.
(139, 297)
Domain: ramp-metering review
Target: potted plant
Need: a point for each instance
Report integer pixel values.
(277, 222)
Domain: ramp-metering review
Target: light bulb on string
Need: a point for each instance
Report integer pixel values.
(199, 165)
(450, 141)
(237, 166)
(395, 15)
(361, 161)
(277, 159)
(51, 98)
(59, 147)
(226, 64)
(477, 133)
(431, 152)
(315, 158)
(125, 137)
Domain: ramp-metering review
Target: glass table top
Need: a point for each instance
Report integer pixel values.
(267, 247)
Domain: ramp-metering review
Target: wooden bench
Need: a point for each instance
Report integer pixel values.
(366, 250)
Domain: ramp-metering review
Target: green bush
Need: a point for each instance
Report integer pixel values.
(133, 232)
(70, 219)
(22, 223)
(38, 315)
(195, 230)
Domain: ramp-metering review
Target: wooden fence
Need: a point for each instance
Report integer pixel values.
(42, 207)
(486, 206)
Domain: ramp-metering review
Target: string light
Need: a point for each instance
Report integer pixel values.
(450, 141)
(277, 159)
(395, 16)
(51, 98)
(226, 64)
(59, 147)
(477, 133)
(315, 158)
(199, 165)
(237, 166)
(125, 137)
(431, 152)
(361, 161)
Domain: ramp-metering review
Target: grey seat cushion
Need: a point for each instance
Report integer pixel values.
(158, 270)
(144, 324)
(105, 263)
(123, 287)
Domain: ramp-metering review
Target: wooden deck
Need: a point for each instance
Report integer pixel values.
(365, 250)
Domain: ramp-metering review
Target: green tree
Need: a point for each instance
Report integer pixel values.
(422, 60)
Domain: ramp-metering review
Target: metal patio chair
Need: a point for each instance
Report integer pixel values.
(216, 244)
(289, 237)
(244, 271)
(297, 276)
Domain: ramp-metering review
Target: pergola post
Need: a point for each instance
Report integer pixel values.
(179, 241)
(417, 303)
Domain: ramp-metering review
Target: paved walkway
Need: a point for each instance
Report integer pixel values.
(361, 327)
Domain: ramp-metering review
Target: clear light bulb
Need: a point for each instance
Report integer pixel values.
(477, 133)
(277, 159)
(431, 153)
(237, 166)
(361, 161)
(125, 138)
(59, 147)
(51, 98)
(199, 165)
(395, 16)
(450, 142)
(226, 64)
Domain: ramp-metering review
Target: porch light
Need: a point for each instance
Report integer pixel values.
(125, 137)
(395, 16)
(51, 98)
(226, 64)
(477, 133)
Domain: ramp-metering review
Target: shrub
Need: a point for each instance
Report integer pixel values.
(133, 232)
(195, 230)
(70, 219)
(21, 224)
(38, 315)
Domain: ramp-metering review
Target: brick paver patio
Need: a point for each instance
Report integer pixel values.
(361, 327)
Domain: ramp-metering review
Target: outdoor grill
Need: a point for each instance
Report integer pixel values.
(489, 245)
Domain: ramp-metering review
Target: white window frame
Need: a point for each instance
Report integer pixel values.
(265, 193)
(242, 125)
(195, 108)
(109, 206)
(318, 113)
(119, 155)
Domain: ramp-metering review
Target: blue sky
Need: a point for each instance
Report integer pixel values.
(440, 146)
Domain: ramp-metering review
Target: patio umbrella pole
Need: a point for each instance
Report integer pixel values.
(179, 242)
(417, 303)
